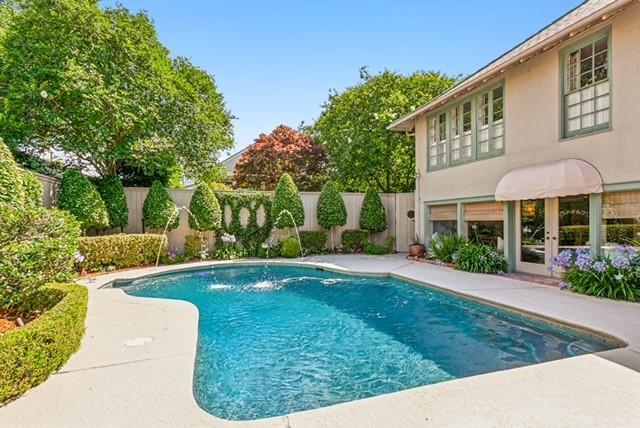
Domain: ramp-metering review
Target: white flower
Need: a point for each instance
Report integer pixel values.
(79, 257)
(44, 94)
(618, 277)
(265, 245)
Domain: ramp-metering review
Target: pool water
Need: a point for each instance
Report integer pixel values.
(275, 340)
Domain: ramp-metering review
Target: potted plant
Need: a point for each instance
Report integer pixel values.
(416, 249)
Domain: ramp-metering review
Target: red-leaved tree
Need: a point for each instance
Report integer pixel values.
(284, 150)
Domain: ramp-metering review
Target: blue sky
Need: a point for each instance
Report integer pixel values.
(275, 61)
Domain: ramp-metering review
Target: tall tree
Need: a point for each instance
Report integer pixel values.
(285, 150)
(352, 129)
(99, 86)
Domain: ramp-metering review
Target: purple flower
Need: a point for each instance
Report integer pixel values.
(584, 260)
(599, 266)
(620, 262)
(626, 251)
(564, 259)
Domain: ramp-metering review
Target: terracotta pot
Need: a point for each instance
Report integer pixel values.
(416, 250)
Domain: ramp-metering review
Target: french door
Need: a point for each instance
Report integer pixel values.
(548, 226)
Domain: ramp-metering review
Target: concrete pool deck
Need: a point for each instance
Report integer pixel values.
(107, 383)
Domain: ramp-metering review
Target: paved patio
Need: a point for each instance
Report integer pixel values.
(109, 384)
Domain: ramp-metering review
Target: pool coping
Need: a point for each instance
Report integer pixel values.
(439, 278)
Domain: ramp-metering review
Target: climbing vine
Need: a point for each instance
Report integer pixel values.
(251, 235)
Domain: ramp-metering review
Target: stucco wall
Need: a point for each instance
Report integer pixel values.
(532, 104)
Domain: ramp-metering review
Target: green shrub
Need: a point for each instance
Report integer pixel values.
(251, 235)
(354, 240)
(371, 248)
(79, 197)
(33, 190)
(287, 198)
(331, 209)
(11, 191)
(313, 241)
(480, 258)
(373, 217)
(195, 247)
(205, 210)
(37, 246)
(30, 354)
(120, 251)
(158, 209)
(273, 250)
(290, 247)
(390, 243)
(112, 193)
(444, 247)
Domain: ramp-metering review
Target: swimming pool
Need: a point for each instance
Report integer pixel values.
(275, 340)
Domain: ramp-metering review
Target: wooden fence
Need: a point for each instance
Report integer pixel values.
(397, 205)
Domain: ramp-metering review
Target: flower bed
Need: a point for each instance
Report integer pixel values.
(616, 277)
(30, 354)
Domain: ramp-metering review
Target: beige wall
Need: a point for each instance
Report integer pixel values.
(532, 118)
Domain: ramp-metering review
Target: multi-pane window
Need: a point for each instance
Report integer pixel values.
(470, 130)
(586, 89)
(437, 140)
(461, 141)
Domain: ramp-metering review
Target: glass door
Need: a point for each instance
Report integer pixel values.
(537, 237)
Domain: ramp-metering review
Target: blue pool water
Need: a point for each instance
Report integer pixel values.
(282, 339)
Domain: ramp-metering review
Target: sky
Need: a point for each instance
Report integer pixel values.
(275, 61)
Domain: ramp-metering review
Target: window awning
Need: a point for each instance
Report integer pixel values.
(549, 180)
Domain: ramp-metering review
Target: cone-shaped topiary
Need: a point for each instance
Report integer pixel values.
(206, 209)
(33, 190)
(372, 215)
(331, 209)
(287, 198)
(158, 208)
(112, 193)
(11, 191)
(80, 198)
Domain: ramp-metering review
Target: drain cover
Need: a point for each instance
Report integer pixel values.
(137, 341)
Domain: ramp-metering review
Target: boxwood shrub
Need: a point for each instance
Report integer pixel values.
(287, 198)
(79, 197)
(354, 240)
(30, 354)
(115, 201)
(120, 251)
(313, 241)
(290, 247)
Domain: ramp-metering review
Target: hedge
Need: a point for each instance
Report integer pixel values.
(79, 197)
(331, 209)
(313, 241)
(158, 208)
(28, 355)
(354, 240)
(11, 190)
(120, 251)
(33, 190)
(619, 233)
(373, 216)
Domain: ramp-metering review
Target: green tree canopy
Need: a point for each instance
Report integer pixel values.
(287, 198)
(158, 208)
(331, 209)
(80, 198)
(98, 85)
(373, 217)
(112, 193)
(352, 129)
(205, 210)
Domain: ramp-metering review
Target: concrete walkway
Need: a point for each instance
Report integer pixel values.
(110, 384)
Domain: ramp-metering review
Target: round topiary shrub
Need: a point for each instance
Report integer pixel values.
(112, 193)
(158, 208)
(290, 247)
(11, 191)
(33, 190)
(287, 198)
(373, 217)
(80, 198)
(205, 210)
(331, 209)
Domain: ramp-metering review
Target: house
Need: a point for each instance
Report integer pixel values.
(539, 150)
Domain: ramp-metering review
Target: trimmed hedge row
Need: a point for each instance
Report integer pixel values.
(28, 355)
(354, 240)
(119, 251)
(313, 241)
(614, 233)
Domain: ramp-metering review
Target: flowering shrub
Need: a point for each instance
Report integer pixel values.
(226, 248)
(479, 258)
(445, 247)
(615, 277)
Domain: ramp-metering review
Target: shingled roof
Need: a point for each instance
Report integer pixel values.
(571, 24)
